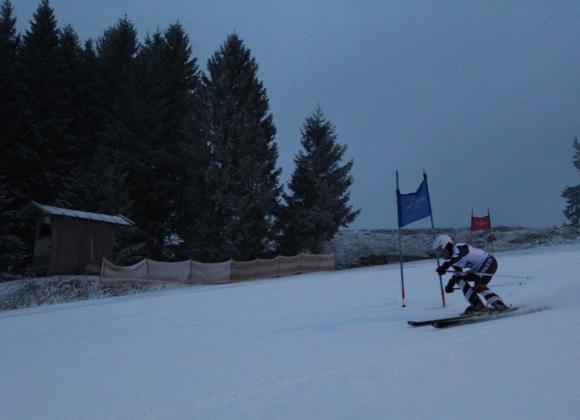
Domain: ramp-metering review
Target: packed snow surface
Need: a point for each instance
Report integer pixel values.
(326, 345)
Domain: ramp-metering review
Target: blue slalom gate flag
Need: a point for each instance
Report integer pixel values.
(415, 206)
(412, 207)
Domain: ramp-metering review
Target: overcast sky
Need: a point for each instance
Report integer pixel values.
(483, 95)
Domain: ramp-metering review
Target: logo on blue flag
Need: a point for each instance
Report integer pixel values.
(412, 207)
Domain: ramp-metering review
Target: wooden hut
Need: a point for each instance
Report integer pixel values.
(72, 241)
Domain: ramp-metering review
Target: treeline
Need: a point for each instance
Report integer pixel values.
(120, 126)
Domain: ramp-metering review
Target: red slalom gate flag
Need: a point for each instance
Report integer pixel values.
(480, 223)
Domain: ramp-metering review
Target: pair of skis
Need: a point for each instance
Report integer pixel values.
(486, 315)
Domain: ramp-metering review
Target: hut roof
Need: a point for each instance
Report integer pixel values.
(105, 218)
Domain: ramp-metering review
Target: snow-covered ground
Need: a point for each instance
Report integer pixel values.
(326, 345)
(350, 245)
(30, 292)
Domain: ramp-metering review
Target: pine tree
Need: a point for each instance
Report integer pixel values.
(166, 77)
(47, 99)
(10, 108)
(318, 204)
(153, 171)
(117, 152)
(184, 142)
(108, 76)
(13, 128)
(242, 176)
(19, 161)
(572, 194)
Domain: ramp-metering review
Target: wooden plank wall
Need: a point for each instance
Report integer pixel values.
(78, 242)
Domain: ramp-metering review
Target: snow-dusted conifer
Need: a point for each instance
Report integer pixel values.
(166, 76)
(46, 95)
(243, 176)
(572, 194)
(318, 203)
(186, 142)
(11, 138)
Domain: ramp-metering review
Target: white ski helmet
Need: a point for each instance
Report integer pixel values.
(441, 242)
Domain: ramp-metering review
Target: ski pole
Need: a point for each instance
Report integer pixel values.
(489, 274)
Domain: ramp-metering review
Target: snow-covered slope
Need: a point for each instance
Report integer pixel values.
(327, 345)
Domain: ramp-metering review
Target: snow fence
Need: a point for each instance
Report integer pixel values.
(215, 273)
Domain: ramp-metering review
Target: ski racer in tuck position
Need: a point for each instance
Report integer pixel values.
(479, 267)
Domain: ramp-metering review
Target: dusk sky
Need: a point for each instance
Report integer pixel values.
(482, 95)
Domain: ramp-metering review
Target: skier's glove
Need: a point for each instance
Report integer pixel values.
(442, 269)
(450, 286)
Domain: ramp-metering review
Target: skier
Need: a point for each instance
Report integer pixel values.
(480, 267)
